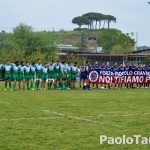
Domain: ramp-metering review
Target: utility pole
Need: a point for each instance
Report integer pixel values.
(82, 41)
(136, 40)
(53, 40)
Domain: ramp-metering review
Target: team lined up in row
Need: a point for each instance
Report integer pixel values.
(115, 68)
(62, 75)
(120, 67)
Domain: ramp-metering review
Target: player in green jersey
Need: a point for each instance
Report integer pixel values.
(21, 75)
(15, 73)
(38, 70)
(1, 69)
(68, 67)
(74, 71)
(50, 75)
(7, 69)
(64, 76)
(27, 74)
(32, 75)
(57, 74)
(44, 76)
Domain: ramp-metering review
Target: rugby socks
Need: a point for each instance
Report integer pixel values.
(42, 85)
(23, 86)
(88, 87)
(67, 84)
(35, 85)
(50, 84)
(63, 85)
(84, 87)
(14, 86)
(97, 86)
(60, 84)
(27, 85)
(5, 85)
(38, 83)
(19, 86)
(55, 85)
(31, 85)
(10, 85)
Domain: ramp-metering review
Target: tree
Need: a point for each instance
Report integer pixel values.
(101, 17)
(147, 59)
(92, 18)
(25, 38)
(117, 49)
(13, 54)
(80, 20)
(109, 19)
(22, 35)
(113, 40)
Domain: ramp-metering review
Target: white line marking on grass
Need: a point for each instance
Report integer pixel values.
(82, 118)
(19, 119)
(4, 102)
(124, 115)
(127, 92)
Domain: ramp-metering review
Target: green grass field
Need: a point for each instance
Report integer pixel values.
(64, 120)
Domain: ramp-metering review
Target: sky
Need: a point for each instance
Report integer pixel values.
(132, 15)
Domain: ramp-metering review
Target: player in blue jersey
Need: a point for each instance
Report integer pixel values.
(89, 65)
(121, 69)
(132, 68)
(148, 70)
(144, 68)
(86, 85)
(115, 68)
(81, 74)
(7, 69)
(126, 68)
(95, 67)
(139, 68)
(108, 68)
(102, 68)
(84, 74)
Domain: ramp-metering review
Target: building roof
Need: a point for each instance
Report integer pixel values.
(141, 51)
(103, 54)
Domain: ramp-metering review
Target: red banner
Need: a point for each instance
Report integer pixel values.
(94, 77)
